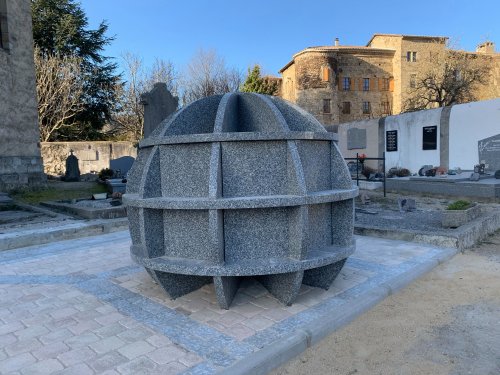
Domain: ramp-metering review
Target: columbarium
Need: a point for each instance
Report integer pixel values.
(240, 185)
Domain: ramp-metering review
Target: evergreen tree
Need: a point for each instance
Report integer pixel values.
(60, 28)
(255, 83)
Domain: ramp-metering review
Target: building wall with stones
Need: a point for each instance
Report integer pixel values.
(92, 156)
(20, 161)
(379, 76)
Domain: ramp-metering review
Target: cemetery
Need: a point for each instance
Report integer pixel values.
(226, 230)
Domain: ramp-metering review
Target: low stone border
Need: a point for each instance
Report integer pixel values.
(278, 353)
(456, 218)
(460, 238)
(31, 237)
(89, 212)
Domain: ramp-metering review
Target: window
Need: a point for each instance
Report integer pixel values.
(346, 86)
(411, 56)
(385, 84)
(366, 84)
(325, 74)
(326, 106)
(346, 108)
(366, 107)
(413, 81)
(386, 109)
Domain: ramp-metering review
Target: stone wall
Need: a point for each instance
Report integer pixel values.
(20, 161)
(92, 156)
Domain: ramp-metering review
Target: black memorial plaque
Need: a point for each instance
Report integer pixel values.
(429, 138)
(391, 140)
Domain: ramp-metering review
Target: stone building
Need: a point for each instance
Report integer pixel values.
(20, 159)
(344, 83)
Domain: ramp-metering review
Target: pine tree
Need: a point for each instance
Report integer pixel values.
(255, 83)
(60, 28)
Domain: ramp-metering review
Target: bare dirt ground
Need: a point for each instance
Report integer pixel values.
(447, 322)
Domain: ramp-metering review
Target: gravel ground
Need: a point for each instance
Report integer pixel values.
(447, 322)
(100, 203)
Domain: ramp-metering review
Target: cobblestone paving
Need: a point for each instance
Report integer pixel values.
(82, 307)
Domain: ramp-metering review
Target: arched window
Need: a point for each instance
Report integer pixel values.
(4, 31)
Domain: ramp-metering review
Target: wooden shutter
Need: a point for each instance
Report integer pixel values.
(325, 74)
(391, 84)
(380, 84)
(341, 79)
(372, 84)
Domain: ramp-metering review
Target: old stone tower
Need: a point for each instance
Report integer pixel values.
(20, 160)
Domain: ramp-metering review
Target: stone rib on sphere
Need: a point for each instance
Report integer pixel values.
(240, 185)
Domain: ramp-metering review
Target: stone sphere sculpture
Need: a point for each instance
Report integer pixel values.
(240, 185)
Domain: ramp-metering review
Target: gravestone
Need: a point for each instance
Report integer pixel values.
(158, 104)
(356, 138)
(72, 169)
(122, 165)
(262, 203)
(407, 204)
(497, 174)
(480, 168)
(489, 152)
(365, 199)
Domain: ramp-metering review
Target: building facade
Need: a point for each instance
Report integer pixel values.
(20, 160)
(339, 84)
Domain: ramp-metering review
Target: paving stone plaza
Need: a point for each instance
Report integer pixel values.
(83, 307)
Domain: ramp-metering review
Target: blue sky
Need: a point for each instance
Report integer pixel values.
(270, 32)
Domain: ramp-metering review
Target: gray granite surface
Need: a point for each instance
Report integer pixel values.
(240, 185)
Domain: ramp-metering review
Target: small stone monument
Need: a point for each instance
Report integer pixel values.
(241, 185)
(158, 103)
(407, 204)
(72, 169)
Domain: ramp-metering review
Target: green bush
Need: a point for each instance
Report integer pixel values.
(106, 173)
(459, 205)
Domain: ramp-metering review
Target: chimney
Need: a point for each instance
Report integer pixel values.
(486, 47)
(336, 43)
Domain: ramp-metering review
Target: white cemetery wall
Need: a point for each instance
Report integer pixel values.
(410, 152)
(470, 123)
(348, 147)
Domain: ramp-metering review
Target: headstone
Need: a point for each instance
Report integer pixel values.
(356, 138)
(429, 138)
(72, 169)
(407, 204)
(158, 103)
(424, 169)
(489, 152)
(497, 174)
(122, 165)
(474, 176)
(391, 140)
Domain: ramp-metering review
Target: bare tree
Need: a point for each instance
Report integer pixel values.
(207, 75)
(59, 87)
(447, 77)
(128, 121)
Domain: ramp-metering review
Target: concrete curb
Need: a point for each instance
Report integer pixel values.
(70, 231)
(460, 238)
(278, 353)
